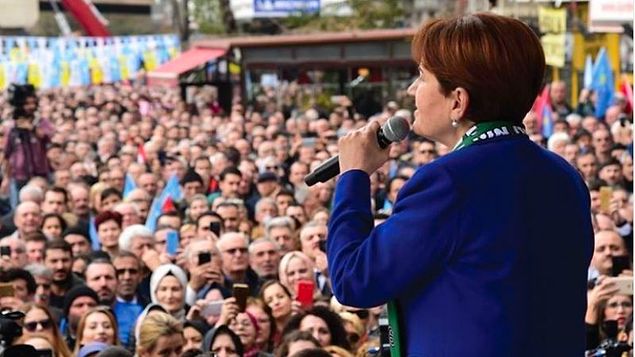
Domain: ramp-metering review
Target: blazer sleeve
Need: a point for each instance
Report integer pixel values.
(370, 266)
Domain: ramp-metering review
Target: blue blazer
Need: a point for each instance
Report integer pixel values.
(486, 252)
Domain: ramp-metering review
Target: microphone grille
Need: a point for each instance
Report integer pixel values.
(396, 128)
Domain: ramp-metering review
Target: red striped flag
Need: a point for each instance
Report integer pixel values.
(141, 154)
(542, 106)
(627, 90)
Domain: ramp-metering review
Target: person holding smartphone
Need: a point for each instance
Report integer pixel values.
(204, 264)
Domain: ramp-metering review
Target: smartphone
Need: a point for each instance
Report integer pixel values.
(241, 292)
(172, 242)
(606, 194)
(204, 258)
(5, 250)
(322, 245)
(215, 227)
(6, 289)
(305, 293)
(212, 309)
(624, 284)
(620, 263)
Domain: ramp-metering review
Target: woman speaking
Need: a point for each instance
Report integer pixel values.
(487, 249)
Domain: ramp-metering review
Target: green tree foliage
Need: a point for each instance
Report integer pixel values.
(214, 17)
(366, 14)
(209, 16)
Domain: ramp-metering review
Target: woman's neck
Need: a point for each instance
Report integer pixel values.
(454, 136)
(281, 322)
(112, 251)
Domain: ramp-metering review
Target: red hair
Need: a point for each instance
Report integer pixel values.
(498, 60)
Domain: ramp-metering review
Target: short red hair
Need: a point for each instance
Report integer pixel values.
(498, 60)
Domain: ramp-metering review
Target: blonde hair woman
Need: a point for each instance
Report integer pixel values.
(161, 335)
(97, 325)
(295, 266)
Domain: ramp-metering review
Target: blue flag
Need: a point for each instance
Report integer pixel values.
(588, 72)
(602, 83)
(92, 232)
(129, 185)
(172, 190)
(547, 122)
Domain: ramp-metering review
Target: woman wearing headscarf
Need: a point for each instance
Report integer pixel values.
(167, 288)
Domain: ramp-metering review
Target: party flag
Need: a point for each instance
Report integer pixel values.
(129, 186)
(588, 72)
(602, 83)
(627, 90)
(171, 191)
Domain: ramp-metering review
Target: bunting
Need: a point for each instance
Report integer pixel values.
(81, 61)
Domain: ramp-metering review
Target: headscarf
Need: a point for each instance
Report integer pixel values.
(161, 272)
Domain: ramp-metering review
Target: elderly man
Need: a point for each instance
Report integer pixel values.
(312, 236)
(28, 218)
(141, 199)
(136, 239)
(264, 258)
(148, 182)
(129, 212)
(235, 258)
(204, 276)
(28, 193)
(43, 277)
(280, 230)
(16, 257)
(80, 200)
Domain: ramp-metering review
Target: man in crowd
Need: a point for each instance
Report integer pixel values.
(264, 258)
(235, 258)
(129, 303)
(58, 257)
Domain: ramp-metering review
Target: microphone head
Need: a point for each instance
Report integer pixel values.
(396, 128)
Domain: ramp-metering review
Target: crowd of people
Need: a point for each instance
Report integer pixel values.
(83, 170)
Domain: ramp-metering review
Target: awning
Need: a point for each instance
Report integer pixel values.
(169, 72)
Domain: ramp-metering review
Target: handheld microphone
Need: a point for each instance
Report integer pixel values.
(395, 129)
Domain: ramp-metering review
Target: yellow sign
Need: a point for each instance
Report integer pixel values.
(554, 47)
(552, 20)
(234, 68)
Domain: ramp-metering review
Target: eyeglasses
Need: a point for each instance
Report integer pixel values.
(32, 326)
(271, 168)
(623, 304)
(233, 251)
(427, 152)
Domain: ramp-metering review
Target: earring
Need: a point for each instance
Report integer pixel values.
(455, 123)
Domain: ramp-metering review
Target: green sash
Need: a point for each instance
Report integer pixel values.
(479, 132)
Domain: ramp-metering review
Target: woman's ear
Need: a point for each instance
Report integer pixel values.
(460, 102)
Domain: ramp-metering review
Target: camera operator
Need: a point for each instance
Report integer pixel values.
(25, 143)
